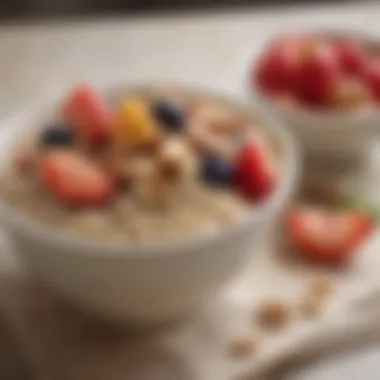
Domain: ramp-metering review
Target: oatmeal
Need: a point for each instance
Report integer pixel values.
(148, 166)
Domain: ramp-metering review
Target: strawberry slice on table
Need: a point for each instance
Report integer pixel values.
(254, 173)
(74, 179)
(88, 111)
(327, 236)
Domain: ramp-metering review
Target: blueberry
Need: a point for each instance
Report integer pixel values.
(57, 135)
(170, 114)
(216, 171)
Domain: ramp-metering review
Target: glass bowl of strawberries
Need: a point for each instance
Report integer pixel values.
(326, 85)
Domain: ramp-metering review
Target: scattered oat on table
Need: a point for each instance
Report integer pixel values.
(311, 306)
(322, 286)
(314, 301)
(244, 345)
(274, 313)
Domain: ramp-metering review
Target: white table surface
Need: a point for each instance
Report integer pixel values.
(209, 50)
(363, 364)
(212, 49)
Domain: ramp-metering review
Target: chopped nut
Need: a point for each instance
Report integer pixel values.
(175, 160)
(219, 121)
(204, 142)
(169, 170)
(273, 313)
(244, 345)
(147, 185)
(227, 127)
(311, 306)
(151, 147)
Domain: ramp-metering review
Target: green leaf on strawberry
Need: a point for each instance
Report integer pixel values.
(359, 202)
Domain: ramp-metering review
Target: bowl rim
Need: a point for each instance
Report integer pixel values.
(341, 119)
(83, 246)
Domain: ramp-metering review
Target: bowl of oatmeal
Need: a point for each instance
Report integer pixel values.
(138, 203)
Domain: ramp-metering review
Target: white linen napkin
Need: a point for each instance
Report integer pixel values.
(66, 344)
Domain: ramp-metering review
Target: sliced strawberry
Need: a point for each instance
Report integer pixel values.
(86, 110)
(74, 179)
(254, 174)
(324, 235)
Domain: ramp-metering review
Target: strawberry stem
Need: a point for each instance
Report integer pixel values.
(351, 201)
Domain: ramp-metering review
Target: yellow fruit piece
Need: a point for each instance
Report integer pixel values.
(133, 125)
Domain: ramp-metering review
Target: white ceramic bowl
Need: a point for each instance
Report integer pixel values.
(329, 134)
(146, 283)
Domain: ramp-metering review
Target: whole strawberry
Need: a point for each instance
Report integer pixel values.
(277, 67)
(318, 73)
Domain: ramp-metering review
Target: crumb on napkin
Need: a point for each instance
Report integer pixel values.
(322, 286)
(273, 313)
(314, 301)
(311, 306)
(244, 345)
